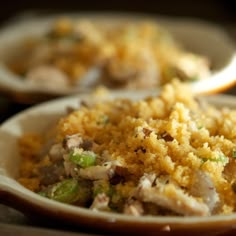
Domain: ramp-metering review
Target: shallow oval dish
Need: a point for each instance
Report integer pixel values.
(13, 194)
(196, 36)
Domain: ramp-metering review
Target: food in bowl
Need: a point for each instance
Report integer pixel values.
(85, 53)
(170, 154)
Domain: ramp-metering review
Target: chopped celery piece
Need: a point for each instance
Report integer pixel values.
(65, 191)
(42, 193)
(83, 159)
(102, 186)
(85, 192)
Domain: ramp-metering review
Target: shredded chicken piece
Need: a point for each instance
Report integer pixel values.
(47, 76)
(76, 141)
(100, 202)
(109, 170)
(134, 208)
(170, 196)
(56, 152)
(188, 66)
(72, 141)
(70, 168)
(134, 80)
(95, 172)
(203, 187)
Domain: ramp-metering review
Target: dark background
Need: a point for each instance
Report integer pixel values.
(222, 11)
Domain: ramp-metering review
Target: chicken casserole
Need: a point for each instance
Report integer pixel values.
(171, 154)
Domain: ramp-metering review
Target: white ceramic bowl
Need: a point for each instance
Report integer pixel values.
(37, 119)
(197, 36)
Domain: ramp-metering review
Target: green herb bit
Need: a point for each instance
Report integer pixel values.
(65, 191)
(83, 159)
(234, 154)
(169, 72)
(103, 120)
(200, 127)
(52, 35)
(222, 158)
(194, 78)
(204, 159)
